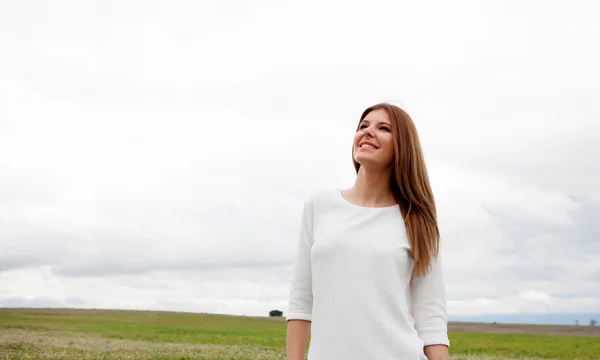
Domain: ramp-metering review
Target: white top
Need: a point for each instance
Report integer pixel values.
(352, 280)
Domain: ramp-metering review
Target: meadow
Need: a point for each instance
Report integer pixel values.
(111, 334)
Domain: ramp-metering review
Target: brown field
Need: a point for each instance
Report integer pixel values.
(489, 328)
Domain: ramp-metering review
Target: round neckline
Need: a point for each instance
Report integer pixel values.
(348, 202)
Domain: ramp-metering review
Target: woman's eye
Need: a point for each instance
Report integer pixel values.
(385, 129)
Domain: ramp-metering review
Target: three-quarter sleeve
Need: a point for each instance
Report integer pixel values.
(301, 295)
(429, 305)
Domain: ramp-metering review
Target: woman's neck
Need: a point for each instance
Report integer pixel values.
(371, 189)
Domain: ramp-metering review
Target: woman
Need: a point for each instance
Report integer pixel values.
(367, 282)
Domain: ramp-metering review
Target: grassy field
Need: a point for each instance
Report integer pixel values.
(104, 334)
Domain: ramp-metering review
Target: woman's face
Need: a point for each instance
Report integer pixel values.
(373, 142)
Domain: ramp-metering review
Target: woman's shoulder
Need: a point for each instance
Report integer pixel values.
(323, 201)
(323, 196)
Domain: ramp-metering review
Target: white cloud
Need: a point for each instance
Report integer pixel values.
(530, 301)
(225, 291)
(157, 157)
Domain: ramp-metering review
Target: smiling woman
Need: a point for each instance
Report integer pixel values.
(367, 281)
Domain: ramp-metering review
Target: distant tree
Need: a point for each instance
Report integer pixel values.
(593, 322)
(275, 313)
(576, 322)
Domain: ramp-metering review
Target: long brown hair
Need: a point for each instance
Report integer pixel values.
(411, 188)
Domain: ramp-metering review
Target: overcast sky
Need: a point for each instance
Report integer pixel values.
(156, 155)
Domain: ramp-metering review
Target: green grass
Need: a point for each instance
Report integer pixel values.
(526, 346)
(154, 327)
(102, 334)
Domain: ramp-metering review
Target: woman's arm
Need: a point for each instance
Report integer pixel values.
(436, 352)
(299, 315)
(429, 311)
(297, 339)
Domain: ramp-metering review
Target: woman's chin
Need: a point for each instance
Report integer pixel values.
(369, 160)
